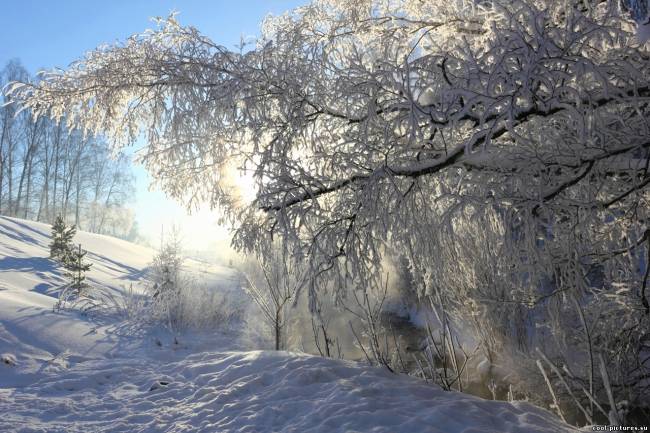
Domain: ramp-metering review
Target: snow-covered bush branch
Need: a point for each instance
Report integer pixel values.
(273, 283)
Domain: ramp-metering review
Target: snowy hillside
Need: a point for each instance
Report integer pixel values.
(29, 329)
(25, 265)
(66, 372)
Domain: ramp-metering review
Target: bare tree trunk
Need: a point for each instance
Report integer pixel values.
(1, 178)
(57, 146)
(43, 204)
(106, 205)
(43, 208)
(19, 196)
(23, 174)
(278, 328)
(78, 193)
(33, 149)
(28, 189)
(10, 174)
(2, 158)
(74, 169)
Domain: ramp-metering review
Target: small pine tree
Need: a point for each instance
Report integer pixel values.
(166, 266)
(77, 268)
(61, 246)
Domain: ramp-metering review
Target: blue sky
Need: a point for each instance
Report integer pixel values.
(47, 34)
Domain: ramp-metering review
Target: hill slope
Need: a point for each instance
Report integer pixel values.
(33, 333)
(24, 262)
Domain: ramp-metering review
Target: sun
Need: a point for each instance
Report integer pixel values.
(241, 184)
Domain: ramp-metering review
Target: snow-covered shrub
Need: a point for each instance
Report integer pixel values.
(273, 282)
(180, 302)
(198, 307)
(523, 304)
(129, 303)
(165, 271)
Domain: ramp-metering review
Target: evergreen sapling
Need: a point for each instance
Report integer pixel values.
(76, 268)
(61, 245)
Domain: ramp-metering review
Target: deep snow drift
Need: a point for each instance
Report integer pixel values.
(66, 372)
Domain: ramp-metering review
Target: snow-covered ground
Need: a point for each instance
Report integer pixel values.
(66, 372)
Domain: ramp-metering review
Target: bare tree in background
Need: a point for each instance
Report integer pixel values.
(46, 170)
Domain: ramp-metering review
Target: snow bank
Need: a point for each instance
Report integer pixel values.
(253, 392)
(30, 332)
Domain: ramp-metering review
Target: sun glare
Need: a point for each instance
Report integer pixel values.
(241, 184)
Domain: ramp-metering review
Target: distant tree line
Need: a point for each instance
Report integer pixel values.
(47, 170)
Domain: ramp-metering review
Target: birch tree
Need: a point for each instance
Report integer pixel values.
(47, 170)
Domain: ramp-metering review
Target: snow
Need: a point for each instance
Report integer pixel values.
(643, 30)
(253, 392)
(66, 372)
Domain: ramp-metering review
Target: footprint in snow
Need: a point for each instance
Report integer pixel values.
(8, 359)
(158, 384)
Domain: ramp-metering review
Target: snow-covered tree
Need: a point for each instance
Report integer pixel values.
(63, 250)
(61, 247)
(503, 145)
(169, 284)
(166, 267)
(76, 268)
